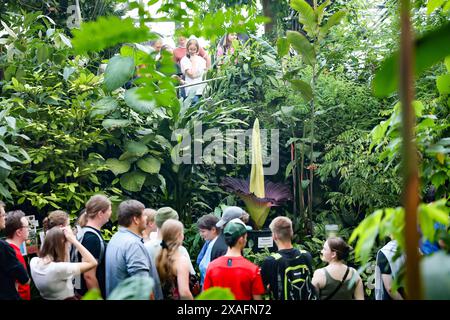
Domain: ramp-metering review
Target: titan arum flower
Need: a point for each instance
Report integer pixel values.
(258, 195)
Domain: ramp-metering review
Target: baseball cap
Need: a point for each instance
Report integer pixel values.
(164, 214)
(229, 214)
(233, 230)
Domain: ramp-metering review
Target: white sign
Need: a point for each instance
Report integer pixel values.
(265, 242)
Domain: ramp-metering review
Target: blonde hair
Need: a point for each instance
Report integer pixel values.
(282, 227)
(194, 42)
(170, 233)
(150, 213)
(94, 205)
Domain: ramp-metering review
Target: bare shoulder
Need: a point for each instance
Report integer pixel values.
(182, 261)
(319, 272)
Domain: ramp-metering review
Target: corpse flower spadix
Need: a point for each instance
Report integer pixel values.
(258, 195)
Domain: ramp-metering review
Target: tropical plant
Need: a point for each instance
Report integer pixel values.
(11, 151)
(50, 94)
(259, 196)
(307, 43)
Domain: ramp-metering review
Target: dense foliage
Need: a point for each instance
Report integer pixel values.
(69, 130)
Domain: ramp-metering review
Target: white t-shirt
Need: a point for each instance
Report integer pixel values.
(186, 64)
(54, 280)
(154, 247)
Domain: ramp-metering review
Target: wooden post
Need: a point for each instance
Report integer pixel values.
(410, 166)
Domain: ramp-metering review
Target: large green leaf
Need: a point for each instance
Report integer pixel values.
(9, 157)
(430, 49)
(304, 88)
(282, 46)
(133, 181)
(118, 72)
(443, 83)
(435, 271)
(138, 55)
(306, 16)
(117, 166)
(4, 165)
(115, 123)
(216, 293)
(134, 100)
(149, 165)
(137, 287)
(433, 5)
(136, 148)
(107, 32)
(104, 106)
(321, 11)
(332, 21)
(447, 62)
(4, 192)
(302, 45)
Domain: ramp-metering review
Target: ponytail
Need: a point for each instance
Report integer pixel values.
(82, 219)
(170, 232)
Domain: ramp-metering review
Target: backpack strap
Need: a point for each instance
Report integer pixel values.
(102, 243)
(339, 286)
(276, 255)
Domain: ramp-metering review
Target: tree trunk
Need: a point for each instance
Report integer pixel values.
(269, 27)
(410, 175)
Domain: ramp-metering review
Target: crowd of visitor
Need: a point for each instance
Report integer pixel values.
(149, 244)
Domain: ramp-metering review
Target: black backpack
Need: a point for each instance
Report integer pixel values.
(294, 278)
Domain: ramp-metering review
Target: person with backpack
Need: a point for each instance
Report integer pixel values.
(232, 270)
(389, 266)
(97, 214)
(287, 273)
(337, 281)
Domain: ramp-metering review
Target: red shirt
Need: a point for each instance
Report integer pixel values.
(237, 273)
(23, 289)
(179, 53)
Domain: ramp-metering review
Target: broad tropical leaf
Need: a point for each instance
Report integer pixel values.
(133, 181)
(134, 100)
(136, 148)
(149, 165)
(118, 72)
(93, 36)
(117, 166)
(282, 47)
(303, 46)
(306, 16)
(304, 88)
(115, 123)
(216, 293)
(430, 49)
(331, 22)
(104, 106)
